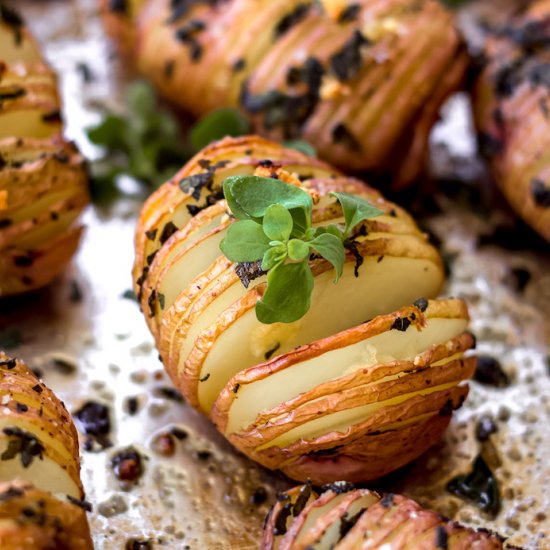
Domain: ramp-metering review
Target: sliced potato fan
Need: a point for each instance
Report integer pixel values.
(340, 517)
(39, 465)
(363, 81)
(43, 178)
(350, 383)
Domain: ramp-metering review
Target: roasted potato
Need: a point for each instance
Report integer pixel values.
(43, 181)
(363, 81)
(341, 517)
(39, 466)
(512, 105)
(378, 392)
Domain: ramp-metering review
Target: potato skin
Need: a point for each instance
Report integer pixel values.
(511, 105)
(174, 222)
(43, 178)
(31, 519)
(392, 520)
(33, 417)
(364, 86)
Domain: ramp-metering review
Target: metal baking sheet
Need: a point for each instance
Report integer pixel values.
(206, 495)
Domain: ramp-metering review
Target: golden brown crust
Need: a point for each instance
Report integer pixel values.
(303, 517)
(43, 179)
(31, 519)
(511, 106)
(193, 300)
(40, 487)
(364, 86)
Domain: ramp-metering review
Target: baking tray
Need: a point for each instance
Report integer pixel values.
(206, 495)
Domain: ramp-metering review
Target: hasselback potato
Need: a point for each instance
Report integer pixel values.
(360, 385)
(512, 112)
(41, 494)
(341, 517)
(362, 81)
(43, 182)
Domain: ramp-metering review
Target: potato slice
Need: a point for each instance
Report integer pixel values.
(350, 387)
(341, 517)
(32, 519)
(29, 104)
(16, 42)
(43, 179)
(37, 437)
(330, 400)
(362, 81)
(510, 103)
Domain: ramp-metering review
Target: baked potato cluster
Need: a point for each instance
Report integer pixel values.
(43, 182)
(359, 386)
(342, 517)
(512, 112)
(362, 81)
(41, 494)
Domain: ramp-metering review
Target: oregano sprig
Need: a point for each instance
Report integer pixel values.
(274, 227)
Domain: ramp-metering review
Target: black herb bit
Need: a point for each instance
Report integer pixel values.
(489, 372)
(23, 443)
(478, 486)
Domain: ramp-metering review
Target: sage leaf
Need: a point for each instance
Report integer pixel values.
(331, 248)
(288, 294)
(277, 223)
(355, 210)
(245, 242)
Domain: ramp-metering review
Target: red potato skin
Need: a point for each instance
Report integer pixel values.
(36, 164)
(511, 113)
(372, 112)
(31, 518)
(393, 521)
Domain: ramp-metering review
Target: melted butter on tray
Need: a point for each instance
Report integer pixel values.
(195, 490)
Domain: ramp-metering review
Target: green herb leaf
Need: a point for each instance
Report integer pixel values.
(274, 256)
(251, 196)
(356, 210)
(143, 143)
(217, 125)
(298, 250)
(302, 146)
(245, 242)
(277, 223)
(331, 248)
(140, 98)
(288, 294)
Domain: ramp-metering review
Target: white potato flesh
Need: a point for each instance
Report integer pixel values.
(44, 474)
(47, 474)
(208, 316)
(316, 513)
(26, 123)
(41, 205)
(341, 421)
(47, 231)
(381, 287)
(392, 345)
(332, 535)
(194, 262)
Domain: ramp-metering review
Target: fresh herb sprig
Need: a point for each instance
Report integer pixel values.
(144, 141)
(274, 229)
